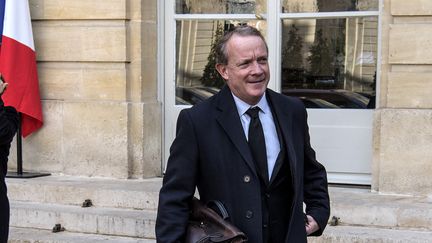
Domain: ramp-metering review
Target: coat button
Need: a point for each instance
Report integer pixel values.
(246, 179)
(249, 214)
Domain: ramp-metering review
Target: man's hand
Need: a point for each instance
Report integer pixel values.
(3, 85)
(311, 225)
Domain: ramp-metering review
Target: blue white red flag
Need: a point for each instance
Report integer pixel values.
(18, 63)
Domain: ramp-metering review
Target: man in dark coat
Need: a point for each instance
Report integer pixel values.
(215, 150)
(8, 128)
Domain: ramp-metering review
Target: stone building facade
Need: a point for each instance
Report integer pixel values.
(403, 121)
(103, 103)
(97, 64)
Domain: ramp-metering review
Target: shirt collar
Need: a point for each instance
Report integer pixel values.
(242, 106)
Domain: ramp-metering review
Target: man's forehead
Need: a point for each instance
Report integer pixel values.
(244, 42)
(246, 53)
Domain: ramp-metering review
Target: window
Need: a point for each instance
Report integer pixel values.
(328, 48)
(330, 60)
(323, 51)
(199, 25)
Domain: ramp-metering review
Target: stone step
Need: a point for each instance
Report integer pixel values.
(344, 234)
(353, 206)
(338, 234)
(94, 220)
(68, 190)
(28, 235)
(356, 206)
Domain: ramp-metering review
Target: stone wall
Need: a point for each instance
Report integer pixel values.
(97, 64)
(403, 124)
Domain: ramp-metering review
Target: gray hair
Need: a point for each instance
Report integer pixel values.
(241, 30)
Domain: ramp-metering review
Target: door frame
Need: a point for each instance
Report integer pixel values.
(166, 68)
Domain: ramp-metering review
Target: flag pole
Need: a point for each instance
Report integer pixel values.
(20, 173)
(19, 148)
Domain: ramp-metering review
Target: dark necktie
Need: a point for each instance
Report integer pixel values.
(257, 143)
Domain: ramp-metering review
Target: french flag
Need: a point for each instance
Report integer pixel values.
(18, 64)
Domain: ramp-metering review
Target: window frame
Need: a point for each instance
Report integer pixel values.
(273, 17)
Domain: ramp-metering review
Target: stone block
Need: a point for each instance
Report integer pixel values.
(150, 61)
(134, 67)
(73, 190)
(409, 90)
(149, 10)
(91, 41)
(82, 81)
(386, 20)
(376, 131)
(135, 82)
(107, 221)
(411, 8)
(135, 44)
(143, 67)
(410, 44)
(344, 234)
(134, 9)
(27, 235)
(78, 9)
(95, 139)
(43, 149)
(145, 140)
(152, 139)
(405, 154)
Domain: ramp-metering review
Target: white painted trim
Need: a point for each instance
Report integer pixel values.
(160, 51)
(379, 56)
(328, 15)
(273, 44)
(161, 74)
(169, 76)
(216, 16)
(349, 178)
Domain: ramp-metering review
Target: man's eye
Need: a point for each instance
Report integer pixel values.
(262, 61)
(244, 64)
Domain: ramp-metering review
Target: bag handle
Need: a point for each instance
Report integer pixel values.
(221, 208)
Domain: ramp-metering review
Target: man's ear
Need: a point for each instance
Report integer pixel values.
(222, 70)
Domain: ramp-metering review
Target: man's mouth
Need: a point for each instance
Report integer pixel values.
(256, 81)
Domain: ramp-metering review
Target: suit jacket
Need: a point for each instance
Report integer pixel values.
(210, 152)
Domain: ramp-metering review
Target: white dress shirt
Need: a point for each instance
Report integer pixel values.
(268, 125)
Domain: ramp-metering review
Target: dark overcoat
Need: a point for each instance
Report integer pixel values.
(8, 128)
(210, 152)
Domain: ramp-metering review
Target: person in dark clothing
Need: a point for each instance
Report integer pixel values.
(8, 128)
(248, 147)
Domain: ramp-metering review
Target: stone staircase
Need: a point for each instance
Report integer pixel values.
(122, 210)
(363, 216)
(125, 211)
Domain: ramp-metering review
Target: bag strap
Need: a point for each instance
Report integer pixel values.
(219, 205)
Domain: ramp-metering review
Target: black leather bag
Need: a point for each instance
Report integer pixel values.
(206, 226)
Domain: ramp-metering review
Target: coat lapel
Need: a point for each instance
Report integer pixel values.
(283, 115)
(229, 120)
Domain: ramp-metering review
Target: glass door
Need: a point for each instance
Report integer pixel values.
(323, 51)
(329, 53)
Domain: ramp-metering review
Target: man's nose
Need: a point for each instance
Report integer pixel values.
(257, 68)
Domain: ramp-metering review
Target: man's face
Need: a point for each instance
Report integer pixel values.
(247, 72)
